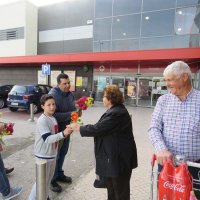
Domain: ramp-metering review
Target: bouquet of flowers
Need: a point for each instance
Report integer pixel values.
(82, 104)
(7, 130)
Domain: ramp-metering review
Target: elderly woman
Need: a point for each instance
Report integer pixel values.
(115, 148)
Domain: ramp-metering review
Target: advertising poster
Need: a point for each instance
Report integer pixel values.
(54, 75)
(131, 90)
(79, 81)
(42, 79)
(72, 78)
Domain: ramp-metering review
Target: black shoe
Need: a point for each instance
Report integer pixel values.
(9, 170)
(64, 179)
(55, 187)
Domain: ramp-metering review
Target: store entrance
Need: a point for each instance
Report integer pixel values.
(138, 91)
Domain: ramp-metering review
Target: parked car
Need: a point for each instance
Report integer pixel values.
(21, 96)
(4, 90)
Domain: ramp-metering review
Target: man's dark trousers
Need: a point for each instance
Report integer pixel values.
(62, 151)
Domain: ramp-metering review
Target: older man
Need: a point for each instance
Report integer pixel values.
(5, 189)
(175, 124)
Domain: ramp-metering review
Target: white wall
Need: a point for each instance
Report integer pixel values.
(14, 15)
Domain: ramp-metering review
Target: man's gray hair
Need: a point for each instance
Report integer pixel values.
(178, 68)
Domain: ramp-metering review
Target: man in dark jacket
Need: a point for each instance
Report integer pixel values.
(65, 105)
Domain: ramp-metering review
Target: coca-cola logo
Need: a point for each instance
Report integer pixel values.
(175, 187)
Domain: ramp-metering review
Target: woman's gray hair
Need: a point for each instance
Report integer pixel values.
(178, 68)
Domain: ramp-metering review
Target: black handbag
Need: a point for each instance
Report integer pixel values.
(99, 182)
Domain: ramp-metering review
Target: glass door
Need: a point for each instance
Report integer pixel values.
(119, 81)
(144, 88)
(100, 83)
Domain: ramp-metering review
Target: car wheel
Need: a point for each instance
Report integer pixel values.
(13, 109)
(2, 103)
(35, 108)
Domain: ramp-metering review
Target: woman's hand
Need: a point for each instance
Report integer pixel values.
(74, 127)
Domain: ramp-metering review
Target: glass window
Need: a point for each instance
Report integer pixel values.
(187, 20)
(125, 45)
(149, 5)
(103, 8)
(187, 2)
(158, 23)
(121, 7)
(126, 26)
(185, 41)
(157, 43)
(101, 46)
(102, 29)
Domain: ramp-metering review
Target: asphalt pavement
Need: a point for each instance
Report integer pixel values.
(18, 152)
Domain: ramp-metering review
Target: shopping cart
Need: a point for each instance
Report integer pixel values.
(174, 182)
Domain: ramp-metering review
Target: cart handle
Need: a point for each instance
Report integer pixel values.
(191, 164)
(153, 159)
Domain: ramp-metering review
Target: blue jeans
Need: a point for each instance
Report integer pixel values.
(62, 151)
(4, 183)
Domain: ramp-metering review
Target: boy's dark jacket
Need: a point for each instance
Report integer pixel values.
(115, 148)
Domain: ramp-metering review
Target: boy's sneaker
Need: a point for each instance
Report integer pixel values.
(55, 187)
(13, 193)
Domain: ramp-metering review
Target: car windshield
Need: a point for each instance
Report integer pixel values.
(18, 89)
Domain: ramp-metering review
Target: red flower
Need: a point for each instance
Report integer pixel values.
(74, 116)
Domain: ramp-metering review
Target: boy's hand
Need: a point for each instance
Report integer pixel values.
(67, 131)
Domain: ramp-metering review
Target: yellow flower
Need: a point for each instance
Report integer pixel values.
(89, 101)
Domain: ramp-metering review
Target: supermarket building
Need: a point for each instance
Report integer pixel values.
(100, 42)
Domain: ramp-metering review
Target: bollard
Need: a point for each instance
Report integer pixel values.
(31, 113)
(41, 189)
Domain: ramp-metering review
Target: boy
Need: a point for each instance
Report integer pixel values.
(46, 139)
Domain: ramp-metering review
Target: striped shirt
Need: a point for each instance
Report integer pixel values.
(175, 125)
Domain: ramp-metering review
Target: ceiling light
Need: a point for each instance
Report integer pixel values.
(180, 12)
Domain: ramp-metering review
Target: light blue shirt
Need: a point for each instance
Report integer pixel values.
(175, 125)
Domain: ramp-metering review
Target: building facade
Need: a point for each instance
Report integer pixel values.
(101, 42)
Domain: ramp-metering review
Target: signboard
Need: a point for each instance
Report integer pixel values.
(72, 78)
(46, 70)
(42, 79)
(54, 75)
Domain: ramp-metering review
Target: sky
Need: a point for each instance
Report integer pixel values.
(36, 2)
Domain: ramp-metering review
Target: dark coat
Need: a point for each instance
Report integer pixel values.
(115, 148)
